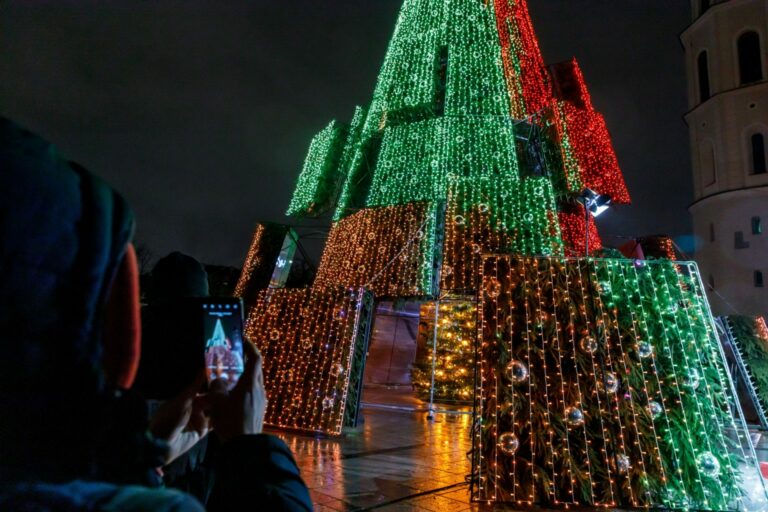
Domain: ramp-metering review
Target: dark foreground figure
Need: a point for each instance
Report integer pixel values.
(72, 434)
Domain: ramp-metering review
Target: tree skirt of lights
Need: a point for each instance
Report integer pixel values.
(602, 383)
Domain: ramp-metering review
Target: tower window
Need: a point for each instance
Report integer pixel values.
(757, 226)
(703, 69)
(703, 6)
(758, 279)
(711, 232)
(750, 58)
(757, 142)
(739, 242)
(711, 282)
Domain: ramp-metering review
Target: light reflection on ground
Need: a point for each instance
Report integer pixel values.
(394, 458)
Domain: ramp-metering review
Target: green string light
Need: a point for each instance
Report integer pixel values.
(321, 174)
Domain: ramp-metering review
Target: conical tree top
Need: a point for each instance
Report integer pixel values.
(219, 339)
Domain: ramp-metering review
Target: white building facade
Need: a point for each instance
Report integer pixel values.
(726, 48)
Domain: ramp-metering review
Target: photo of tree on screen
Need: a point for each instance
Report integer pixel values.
(224, 343)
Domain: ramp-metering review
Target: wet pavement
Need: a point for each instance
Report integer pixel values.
(396, 461)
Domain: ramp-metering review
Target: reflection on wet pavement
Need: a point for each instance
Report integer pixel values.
(394, 461)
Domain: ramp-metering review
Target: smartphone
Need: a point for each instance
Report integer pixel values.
(183, 337)
(222, 320)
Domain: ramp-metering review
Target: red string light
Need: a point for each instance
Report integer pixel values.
(572, 229)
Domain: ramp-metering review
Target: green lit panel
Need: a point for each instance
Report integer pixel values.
(417, 159)
(321, 175)
(476, 82)
(523, 211)
(351, 160)
(407, 79)
(568, 168)
(534, 215)
(353, 139)
(411, 85)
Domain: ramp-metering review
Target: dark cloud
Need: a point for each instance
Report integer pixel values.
(201, 112)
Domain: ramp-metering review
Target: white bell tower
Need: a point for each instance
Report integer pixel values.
(726, 46)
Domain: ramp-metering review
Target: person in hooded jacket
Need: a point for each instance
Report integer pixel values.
(72, 435)
(174, 279)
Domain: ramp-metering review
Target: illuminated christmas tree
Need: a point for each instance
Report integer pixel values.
(472, 146)
(219, 339)
(454, 367)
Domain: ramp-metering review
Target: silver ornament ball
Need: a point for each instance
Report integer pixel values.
(574, 417)
(655, 409)
(622, 463)
(518, 371)
(611, 382)
(692, 379)
(588, 344)
(708, 464)
(644, 349)
(508, 443)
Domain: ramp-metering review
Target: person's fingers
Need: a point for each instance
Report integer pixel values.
(250, 352)
(212, 402)
(193, 389)
(169, 420)
(199, 421)
(173, 415)
(252, 373)
(182, 444)
(218, 387)
(260, 371)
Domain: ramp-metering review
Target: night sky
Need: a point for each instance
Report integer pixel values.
(200, 113)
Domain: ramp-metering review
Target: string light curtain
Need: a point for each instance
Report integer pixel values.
(388, 250)
(470, 145)
(260, 261)
(750, 337)
(493, 216)
(586, 144)
(602, 383)
(572, 224)
(528, 82)
(322, 175)
(309, 338)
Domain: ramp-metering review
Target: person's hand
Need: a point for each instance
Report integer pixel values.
(182, 421)
(241, 411)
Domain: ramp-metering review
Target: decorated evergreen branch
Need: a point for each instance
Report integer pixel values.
(455, 361)
(751, 337)
(602, 383)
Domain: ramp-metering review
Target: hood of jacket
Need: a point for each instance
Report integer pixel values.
(63, 233)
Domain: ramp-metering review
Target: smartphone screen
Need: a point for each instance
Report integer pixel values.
(223, 335)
